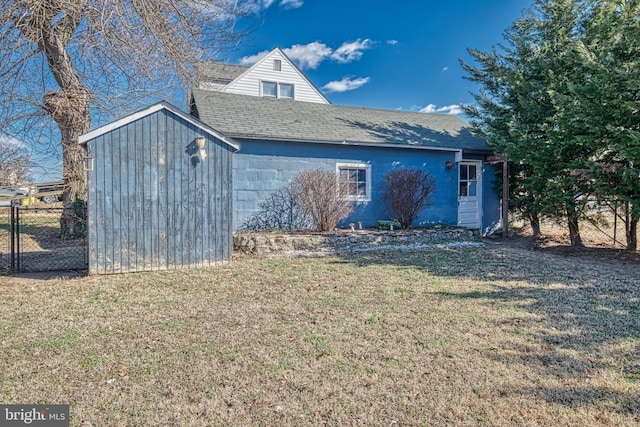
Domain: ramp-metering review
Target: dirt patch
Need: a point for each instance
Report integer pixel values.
(602, 242)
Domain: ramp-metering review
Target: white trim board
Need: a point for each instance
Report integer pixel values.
(162, 105)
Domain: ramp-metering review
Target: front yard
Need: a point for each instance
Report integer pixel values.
(459, 335)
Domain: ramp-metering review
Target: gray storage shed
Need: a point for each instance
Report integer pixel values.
(160, 193)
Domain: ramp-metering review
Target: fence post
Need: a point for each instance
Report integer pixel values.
(17, 229)
(12, 238)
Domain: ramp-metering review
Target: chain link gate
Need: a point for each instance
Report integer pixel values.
(37, 242)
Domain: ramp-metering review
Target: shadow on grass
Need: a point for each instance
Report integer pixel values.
(585, 315)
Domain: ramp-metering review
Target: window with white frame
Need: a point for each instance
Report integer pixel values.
(270, 89)
(277, 90)
(357, 179)
(285, 90)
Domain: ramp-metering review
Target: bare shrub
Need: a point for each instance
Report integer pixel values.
(407, 192)
(321, 195)
(279, 212)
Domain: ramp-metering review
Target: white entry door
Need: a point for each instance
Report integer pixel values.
(470, 194)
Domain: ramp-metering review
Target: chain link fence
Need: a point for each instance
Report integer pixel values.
(32, 239)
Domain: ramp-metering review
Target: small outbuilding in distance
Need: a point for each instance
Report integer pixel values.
(159, 193)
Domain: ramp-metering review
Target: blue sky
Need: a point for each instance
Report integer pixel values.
(391, 55)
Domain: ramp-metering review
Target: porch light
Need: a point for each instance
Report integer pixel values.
(448, 164)
(200, 146)
(88, 163)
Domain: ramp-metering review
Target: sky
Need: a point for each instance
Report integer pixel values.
(401, 55)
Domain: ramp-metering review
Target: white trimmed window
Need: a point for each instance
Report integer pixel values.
(277, 90)
(357, 178)
(285, 90)
(270, 89)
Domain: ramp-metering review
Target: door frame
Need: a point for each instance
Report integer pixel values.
(461, 199)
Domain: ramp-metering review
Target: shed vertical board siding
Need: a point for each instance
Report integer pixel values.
(129, 246)
(132, 199)
(175, 189)
(108, 208)
(116, 213)
(154, 179)
(188, 208)
(162, 190)
(228, 205)
(152, 204)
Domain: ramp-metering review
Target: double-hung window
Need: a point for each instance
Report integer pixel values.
(356, 178)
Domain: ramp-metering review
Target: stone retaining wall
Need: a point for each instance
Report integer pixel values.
(270, 243)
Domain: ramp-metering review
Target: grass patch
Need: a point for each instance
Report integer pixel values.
(483, 335)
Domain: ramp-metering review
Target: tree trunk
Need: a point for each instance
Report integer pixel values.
(574, 230)
(68, 107)
(632, 234)
(70, 111)
(534, 220)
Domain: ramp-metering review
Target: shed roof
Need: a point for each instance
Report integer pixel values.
(162, 105)
(254, 117)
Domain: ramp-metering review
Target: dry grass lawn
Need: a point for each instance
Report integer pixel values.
(483, 335)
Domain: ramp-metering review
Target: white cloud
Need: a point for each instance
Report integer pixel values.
(392, 42)
(291, 4)
(445, 69)
(257, 6)
(11, 141)
(346, 84)
(308, 56)
(448, 109)
(311, 55)
(351, 51)
(252, 59)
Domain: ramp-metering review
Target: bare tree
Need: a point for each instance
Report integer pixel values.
(407, 192)
(15, 163)
(321, 195)
(64, 61)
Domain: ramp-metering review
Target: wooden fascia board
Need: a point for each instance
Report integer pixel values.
(163, 105)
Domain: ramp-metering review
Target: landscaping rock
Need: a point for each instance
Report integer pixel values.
(266, 243)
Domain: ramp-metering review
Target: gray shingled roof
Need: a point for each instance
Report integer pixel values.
(243, 116)
(213, 70)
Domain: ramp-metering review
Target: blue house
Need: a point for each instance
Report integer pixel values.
(168, 188)
(282, 125)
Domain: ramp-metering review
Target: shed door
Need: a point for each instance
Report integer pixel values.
(469, 194)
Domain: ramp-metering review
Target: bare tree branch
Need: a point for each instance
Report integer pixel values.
(65, 61)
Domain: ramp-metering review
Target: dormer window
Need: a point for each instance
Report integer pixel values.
(277, 90)
(270, 89)
(286, 91)
(277, 65)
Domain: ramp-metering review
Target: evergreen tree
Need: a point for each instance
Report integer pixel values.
(560, 99)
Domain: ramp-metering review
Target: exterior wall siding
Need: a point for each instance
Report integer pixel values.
(153, 204)
(261, 168)
(249, 83)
